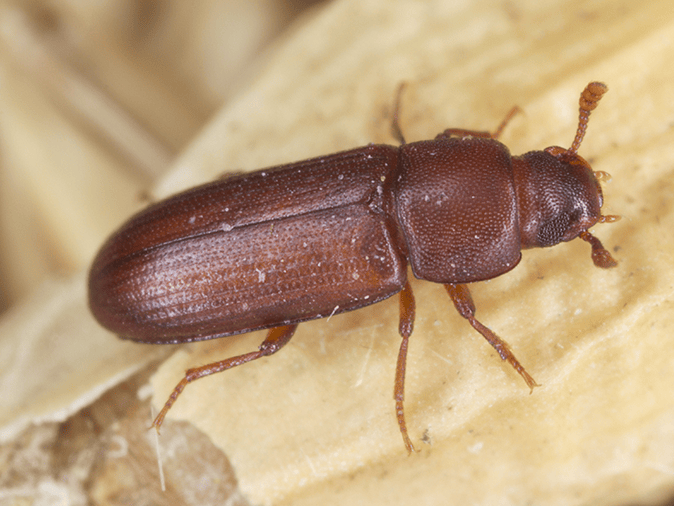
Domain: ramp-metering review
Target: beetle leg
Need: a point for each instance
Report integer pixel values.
(395, 125)
(407, 308)
(463, 302)
(276, 339)
(227, 175)
(460, 132)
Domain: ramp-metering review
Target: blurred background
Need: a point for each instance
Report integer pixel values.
(96, 100)
(105, 104)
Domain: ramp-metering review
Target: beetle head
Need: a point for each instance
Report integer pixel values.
(557, 199)
(558, 193)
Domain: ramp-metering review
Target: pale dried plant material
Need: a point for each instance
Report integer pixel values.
(86, 121)
(97, 100)
(578, 332)
(74, 92)
(598, 431)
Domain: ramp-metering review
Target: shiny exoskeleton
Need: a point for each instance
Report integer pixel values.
(309, 239)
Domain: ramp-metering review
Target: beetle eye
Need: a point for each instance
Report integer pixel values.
(552, 232)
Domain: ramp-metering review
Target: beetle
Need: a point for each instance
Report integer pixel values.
(309, 239)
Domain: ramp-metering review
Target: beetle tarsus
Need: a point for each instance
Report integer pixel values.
(159, 419)
(276, 339)
(464, 304)
(399, 394)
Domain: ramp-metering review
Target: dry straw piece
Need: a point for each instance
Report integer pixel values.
(314, 425)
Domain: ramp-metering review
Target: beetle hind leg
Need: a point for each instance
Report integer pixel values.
(464, 304)
(276, 339)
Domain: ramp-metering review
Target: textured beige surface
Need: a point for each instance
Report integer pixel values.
(315, 424)
(96, 98)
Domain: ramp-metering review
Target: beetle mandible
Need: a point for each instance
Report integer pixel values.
(305, 240)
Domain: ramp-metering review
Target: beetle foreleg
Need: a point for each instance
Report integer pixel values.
(407, 308)
(463, 302)
(276, 339)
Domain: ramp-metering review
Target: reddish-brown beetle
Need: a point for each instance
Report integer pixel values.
(274, 248)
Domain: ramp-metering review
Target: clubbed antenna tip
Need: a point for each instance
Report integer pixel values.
(589, 99)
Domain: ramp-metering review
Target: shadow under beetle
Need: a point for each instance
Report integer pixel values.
(309, 239)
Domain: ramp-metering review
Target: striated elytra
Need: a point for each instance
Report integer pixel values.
(273, 248)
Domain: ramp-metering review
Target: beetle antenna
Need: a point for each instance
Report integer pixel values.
(589, 99)
(600, 255)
